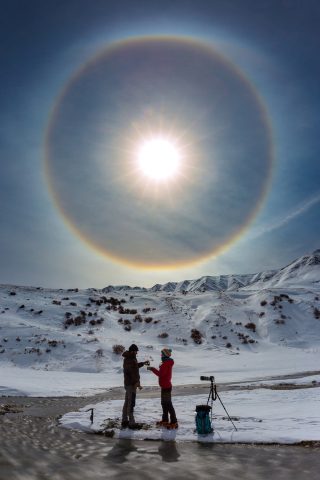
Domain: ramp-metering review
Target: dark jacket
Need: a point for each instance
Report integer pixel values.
(131, 368)
(164, 373)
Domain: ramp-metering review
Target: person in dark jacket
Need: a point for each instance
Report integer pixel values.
(131, 383)
(165, 374)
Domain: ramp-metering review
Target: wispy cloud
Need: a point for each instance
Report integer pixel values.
(281, 222)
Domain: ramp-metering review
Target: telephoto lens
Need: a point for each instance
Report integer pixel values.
(207, 379)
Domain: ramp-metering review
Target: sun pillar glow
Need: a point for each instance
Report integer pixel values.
(159, 159)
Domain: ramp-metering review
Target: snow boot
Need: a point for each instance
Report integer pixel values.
(172, 426)
(135, 426)
(161, 423)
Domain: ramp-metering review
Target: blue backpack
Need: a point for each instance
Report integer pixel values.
(202, 419)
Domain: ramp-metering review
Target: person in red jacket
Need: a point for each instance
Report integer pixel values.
(165, 374)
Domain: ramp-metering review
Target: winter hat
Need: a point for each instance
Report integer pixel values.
(133, 348)
(166, 352)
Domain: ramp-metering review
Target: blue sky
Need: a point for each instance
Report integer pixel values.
(265, 57)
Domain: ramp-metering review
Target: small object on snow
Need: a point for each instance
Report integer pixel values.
(202, 419)
(91, 414)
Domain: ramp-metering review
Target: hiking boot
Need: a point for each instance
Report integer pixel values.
(162, 423)
(172, 426)
(135, 426)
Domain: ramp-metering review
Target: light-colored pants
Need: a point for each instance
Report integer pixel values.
(127, 411)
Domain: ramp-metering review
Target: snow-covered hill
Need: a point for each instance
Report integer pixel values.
(268, 321)
(302, 271)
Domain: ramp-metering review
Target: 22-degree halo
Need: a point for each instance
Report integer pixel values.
(169, 87)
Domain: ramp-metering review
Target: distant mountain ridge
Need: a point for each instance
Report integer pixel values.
(305, 268)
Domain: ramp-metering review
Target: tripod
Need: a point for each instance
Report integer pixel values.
(213, 394)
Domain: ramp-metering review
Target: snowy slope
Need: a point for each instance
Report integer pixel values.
(270, 325)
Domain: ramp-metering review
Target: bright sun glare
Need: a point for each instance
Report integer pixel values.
(159, 159)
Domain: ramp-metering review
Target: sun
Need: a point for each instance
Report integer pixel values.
(159, 159)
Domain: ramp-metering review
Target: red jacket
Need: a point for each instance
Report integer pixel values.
(164, 373)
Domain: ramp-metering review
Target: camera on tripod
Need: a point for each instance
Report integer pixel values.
(203, 422)
(207, 379)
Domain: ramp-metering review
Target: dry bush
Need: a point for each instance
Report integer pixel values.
(79, 320)
(196, 336)
(118, 349)
(251, 326)
(127, 311)
(316, 313)
(163, 335)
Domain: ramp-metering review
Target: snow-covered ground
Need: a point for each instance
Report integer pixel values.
(259, 415)
(239, 328)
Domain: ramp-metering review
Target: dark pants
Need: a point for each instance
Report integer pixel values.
(167, 407)
(127, 410)
(133, 401)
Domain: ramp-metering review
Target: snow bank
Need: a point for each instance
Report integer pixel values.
(265, 416)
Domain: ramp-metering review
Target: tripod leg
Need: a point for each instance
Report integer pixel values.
(226, 412)
(210, 395)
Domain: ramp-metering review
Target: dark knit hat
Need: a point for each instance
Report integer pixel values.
(166, 352)
(133, 348)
